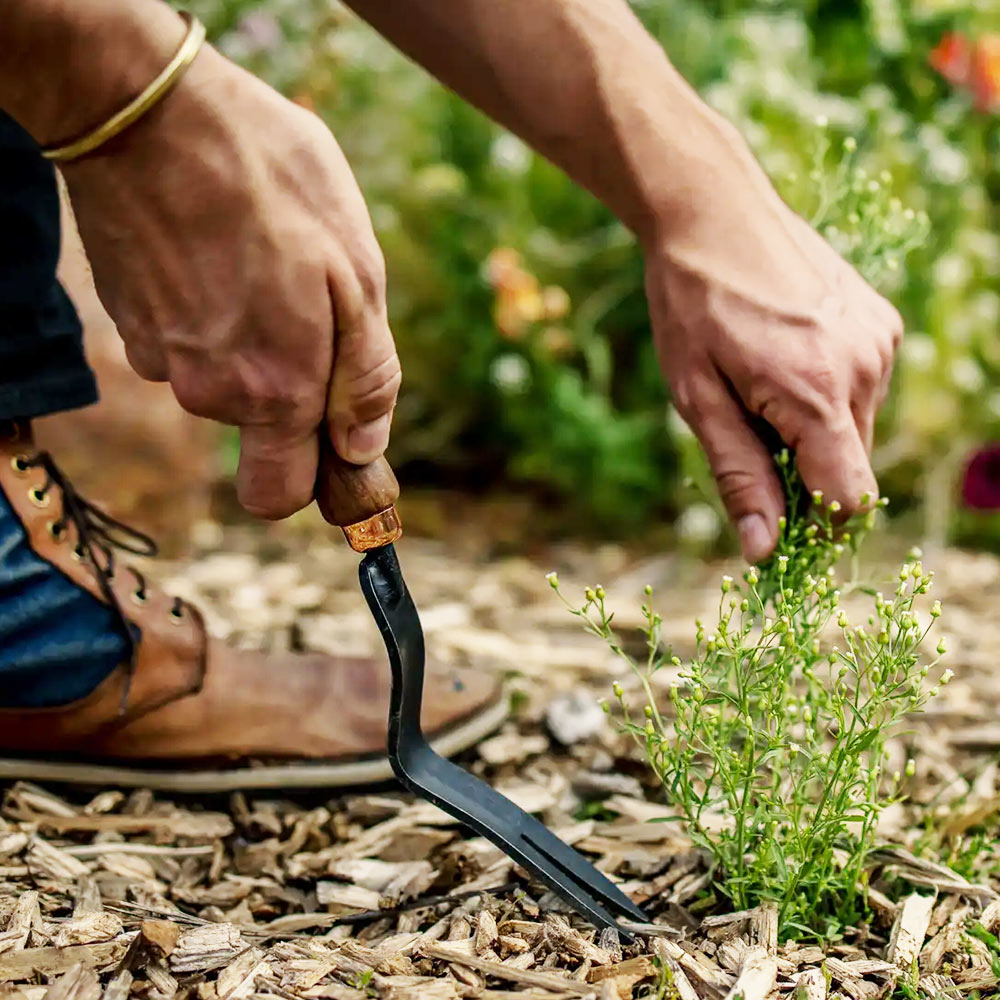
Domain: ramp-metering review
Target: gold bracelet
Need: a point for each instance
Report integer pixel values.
(136, 108)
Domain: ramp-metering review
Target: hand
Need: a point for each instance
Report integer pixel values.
(754, 314)
(232, 247)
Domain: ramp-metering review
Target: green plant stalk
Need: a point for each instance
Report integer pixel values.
(776, 730)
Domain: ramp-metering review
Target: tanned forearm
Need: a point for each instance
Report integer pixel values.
(67, 65)
(582, 82)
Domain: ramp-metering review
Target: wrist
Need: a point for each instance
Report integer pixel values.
(69, 66)
(708, 166)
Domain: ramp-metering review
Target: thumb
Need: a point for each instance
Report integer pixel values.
(743, 470)
(363, 390)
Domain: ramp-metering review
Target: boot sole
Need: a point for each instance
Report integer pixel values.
(198, 780)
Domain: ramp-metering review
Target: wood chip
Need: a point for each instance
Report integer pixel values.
(909, 931)
(31, 962)
(88, 928)
(498, 970)
(79, 983)
(207, 947)
(810, 985)
(758, 974)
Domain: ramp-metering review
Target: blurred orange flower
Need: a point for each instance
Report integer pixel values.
(971, 64)
(519, 301)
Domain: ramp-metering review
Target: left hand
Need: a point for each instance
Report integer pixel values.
(755, 315)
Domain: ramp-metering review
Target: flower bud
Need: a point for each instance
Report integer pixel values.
(618, 690)
(553, 579)
(947, 676)
(727, 583)
(599, 591)
(835, 507)
(911, 768)
(589, 595)
(842, 620)
(817, 496)
(936, 609)
(942, 647)
(744, 605)
(752, 576)
(782, 564)
(648, 711)
(648, 590)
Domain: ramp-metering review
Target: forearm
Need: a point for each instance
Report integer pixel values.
(67, 65)
(582, 82)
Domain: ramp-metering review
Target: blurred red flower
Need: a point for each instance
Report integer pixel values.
(971, 64)
(981, 482)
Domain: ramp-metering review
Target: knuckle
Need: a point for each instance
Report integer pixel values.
(373, 393)
(736, 486)
(369, 273)
(868, 374)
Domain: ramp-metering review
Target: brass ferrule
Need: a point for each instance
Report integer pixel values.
(375, 531)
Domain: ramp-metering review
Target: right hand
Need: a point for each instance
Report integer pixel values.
(232, 247)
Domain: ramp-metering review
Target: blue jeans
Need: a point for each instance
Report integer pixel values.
(57, 641)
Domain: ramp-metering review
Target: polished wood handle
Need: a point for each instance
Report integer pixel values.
(358, 498)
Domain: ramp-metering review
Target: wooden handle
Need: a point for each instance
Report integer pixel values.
(358, 498)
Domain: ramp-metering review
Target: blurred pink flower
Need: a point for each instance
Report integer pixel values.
(259, 31)
(981, 481)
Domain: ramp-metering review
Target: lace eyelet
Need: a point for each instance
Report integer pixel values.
(57, 531)
(139, 597)
(38, 498)
(20, 465)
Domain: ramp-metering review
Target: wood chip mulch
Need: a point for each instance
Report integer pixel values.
(370, 894)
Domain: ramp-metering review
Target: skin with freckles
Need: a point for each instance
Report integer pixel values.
(231, 245)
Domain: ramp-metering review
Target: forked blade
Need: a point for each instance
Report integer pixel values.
(473, 802)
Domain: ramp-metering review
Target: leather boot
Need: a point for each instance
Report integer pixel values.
(186, 712)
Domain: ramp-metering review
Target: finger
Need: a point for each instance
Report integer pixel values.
(277, 470)
(743, 469)
(365, 383)
(831, 457)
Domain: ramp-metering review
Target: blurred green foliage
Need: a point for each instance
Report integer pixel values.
(508, 380)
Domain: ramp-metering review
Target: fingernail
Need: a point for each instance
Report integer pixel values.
(365, 442)
(755, 539)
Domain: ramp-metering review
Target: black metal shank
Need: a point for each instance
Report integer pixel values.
(473, 802)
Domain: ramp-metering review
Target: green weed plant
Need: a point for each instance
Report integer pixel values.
(773, 751)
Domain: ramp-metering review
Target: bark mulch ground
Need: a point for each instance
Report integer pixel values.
(114, 893)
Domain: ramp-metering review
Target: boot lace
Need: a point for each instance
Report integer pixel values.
(98, 536)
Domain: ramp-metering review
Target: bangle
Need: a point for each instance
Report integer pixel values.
(138, 107)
